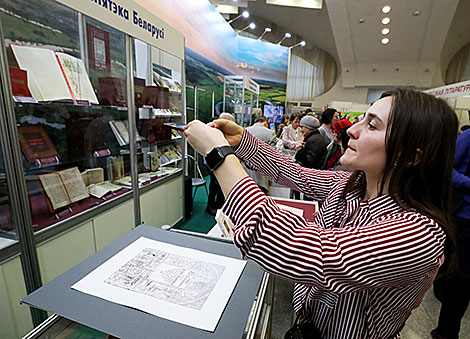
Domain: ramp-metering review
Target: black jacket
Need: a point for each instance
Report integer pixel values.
(314, 151)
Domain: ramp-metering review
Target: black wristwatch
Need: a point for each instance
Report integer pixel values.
(216, 157)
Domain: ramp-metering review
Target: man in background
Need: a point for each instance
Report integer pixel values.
(454, 290)
(261, 130)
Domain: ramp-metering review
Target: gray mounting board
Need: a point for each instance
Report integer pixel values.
(121, 321)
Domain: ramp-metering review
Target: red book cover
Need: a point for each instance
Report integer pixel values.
(19, 82)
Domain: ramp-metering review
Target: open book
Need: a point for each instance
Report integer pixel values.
(64, 187)
(99, 190)
(54, 75)
(121, 132)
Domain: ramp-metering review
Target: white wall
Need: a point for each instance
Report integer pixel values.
(338, 93)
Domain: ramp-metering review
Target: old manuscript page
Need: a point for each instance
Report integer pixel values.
(55, 190)
(74, 184)
(172, 282)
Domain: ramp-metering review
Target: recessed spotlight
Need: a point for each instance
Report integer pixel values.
(385, 31)
(386, 21)
(287, 35)
(385, 41)
(361, 21)
(267, 29)
(416, 13)
(386, 9)
(302, 43)
(252, 25)
(245, 14)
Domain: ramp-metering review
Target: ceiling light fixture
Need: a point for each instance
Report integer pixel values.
(361, 21)
(245, 14)
(287, 35)
(416, 13)
(385, 41)
(386, 9)
(385, 31)
(386, 21)
(302, 43)
(266, 30)
(250, 26)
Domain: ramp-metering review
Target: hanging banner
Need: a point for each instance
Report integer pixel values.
(459, 89)
(131, 18)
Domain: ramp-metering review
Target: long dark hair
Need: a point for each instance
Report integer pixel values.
(418, 121)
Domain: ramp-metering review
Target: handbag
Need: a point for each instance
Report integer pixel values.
(303, 331)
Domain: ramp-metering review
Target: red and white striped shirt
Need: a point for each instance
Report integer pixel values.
(364, 276)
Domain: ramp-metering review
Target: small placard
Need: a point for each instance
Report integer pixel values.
(101, 153)
(44, 162)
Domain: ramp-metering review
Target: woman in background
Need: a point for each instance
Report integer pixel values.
(375, 246)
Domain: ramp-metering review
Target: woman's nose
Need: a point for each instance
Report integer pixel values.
(353, 131)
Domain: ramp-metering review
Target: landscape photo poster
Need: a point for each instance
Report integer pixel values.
(213, 49)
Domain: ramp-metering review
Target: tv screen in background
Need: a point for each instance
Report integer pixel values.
(274, 114)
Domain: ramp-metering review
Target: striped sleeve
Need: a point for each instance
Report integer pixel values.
(264, 159)
(394, 250)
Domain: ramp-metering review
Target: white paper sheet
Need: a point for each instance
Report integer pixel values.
(296, 211)
(172, 282)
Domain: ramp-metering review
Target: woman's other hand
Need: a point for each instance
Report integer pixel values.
(203, 138)
(232, 132)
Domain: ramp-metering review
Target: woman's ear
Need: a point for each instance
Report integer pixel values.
(417, 160)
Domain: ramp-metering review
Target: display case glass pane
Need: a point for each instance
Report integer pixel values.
(70, 106)
(7, 229)
(158, 99)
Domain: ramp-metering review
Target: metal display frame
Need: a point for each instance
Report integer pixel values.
(236, 87)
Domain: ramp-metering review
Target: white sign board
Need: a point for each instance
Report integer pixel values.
(459, 89)
(128, 17)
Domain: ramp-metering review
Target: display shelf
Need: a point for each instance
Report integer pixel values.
(171, 162)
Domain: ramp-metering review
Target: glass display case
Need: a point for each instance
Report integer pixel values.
(69, 83)
(90, 93)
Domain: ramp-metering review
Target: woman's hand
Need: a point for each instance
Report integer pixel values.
(232, 132)
(299, 146)
(203, 138)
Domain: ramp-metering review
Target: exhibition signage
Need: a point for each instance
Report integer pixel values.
(459, 89)
(129, 17)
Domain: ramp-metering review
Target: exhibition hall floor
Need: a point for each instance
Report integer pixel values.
(418, 326)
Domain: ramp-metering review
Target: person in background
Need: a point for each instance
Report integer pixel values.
(373, 250)
(329, 117)
(261, 131)
(343, 138)
(455, 287)
(215, 198)
(291, 135)
(284, 123)
(335, 151)
(312, 151)
(464, 128)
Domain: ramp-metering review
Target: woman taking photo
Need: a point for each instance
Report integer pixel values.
(377, 242)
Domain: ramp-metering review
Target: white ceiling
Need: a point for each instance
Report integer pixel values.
(420, 46)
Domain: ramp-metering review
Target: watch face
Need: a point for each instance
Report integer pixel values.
(217, 156)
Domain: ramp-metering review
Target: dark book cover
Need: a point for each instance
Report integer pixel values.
(112, 91)
(35, 143)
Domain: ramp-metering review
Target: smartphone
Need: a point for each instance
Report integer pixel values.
(178, 127)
